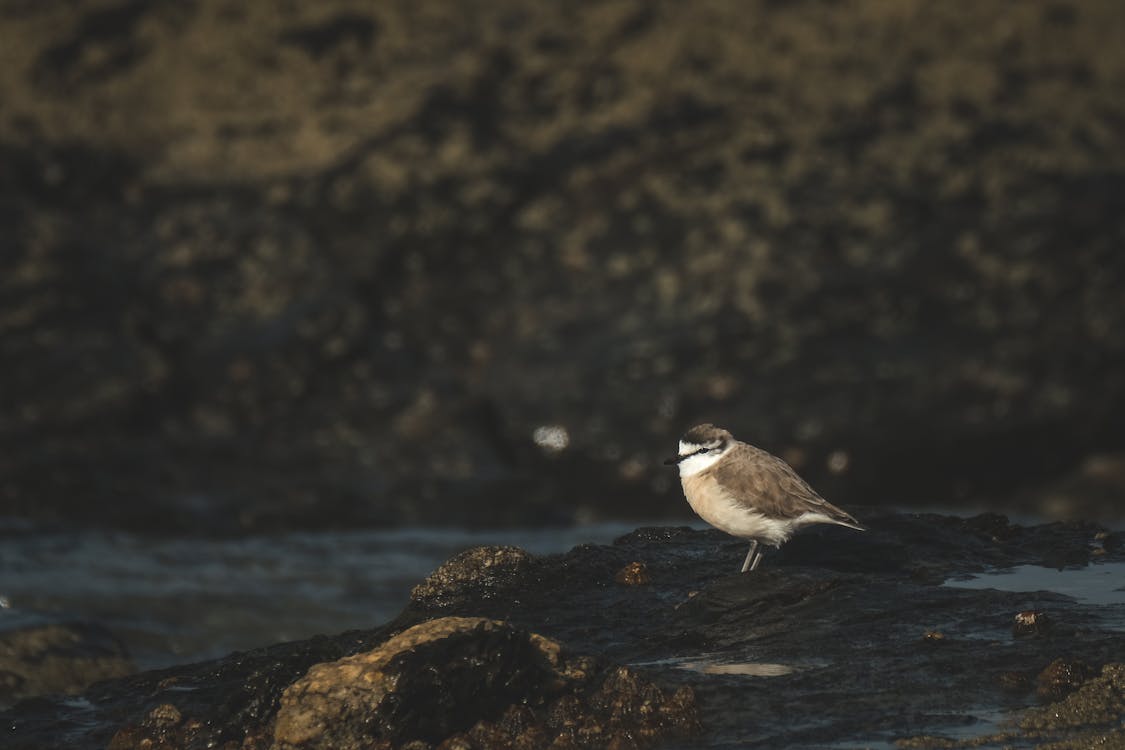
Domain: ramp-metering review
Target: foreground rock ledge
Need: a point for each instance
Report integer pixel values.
(454, 682)
(868, 639)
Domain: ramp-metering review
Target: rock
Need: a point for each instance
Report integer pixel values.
(1031, 623)
(1099, 704)
(479, 571)
(165, 715)
(163, 728)
(234, 697)
(1061, 678)
(830, 629)
(463, 682)
(637, 706)
(1113, 542)
(633, 574)
(56, 657)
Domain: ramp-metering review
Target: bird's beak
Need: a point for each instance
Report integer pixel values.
(673, 461)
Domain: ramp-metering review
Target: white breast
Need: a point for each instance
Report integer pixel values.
(717, 508)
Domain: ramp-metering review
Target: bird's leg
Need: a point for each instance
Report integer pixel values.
(750, 563)
(757, 559)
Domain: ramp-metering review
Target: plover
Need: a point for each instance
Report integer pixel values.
(748, 492)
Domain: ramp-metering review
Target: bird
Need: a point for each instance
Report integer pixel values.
(748, 492)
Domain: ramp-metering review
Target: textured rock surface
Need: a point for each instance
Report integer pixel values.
(480, 570)
(392, 692)
(331, 263)
(1100, 703)
(1094, 716)
(451, 682)
(840, 637)
(57, 657)
(457, 675)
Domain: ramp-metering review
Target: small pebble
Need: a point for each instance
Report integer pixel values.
(1031, 623)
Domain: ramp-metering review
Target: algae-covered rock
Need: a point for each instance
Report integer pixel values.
(479, 571)
(425, 683)
(1100, 701)
(1061, 678)
(457, 681)
(57, 657)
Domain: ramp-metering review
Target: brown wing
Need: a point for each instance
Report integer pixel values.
(761, 480)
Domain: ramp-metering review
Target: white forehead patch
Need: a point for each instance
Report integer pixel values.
(695, 464)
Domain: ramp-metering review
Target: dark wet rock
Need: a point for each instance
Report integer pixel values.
(165, 728)
(353, 279)
(454, 682)
(428, 683)
(1060, 678)
(1088, 718)
(230, 700)
(626, 702)
(1100, 703)
(165, 715)
(480, 571)
(1113, 541)
(55, 657)
(823, 644)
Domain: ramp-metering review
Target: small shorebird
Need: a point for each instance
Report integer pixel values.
(748, 492)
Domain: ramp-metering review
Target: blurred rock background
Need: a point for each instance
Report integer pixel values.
(283, 264)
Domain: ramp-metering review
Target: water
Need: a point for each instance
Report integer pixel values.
(967, 729)
(1102, 584)
(1098, 586)
(712, 664)
(180, 600)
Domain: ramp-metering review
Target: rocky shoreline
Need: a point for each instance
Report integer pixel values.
(655, 639)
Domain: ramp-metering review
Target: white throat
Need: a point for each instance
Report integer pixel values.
(702, 462)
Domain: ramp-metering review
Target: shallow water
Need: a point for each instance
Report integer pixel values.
(1097, 583)
(1099, 586)
(717, 664)
(966, 729)
(179, 600)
